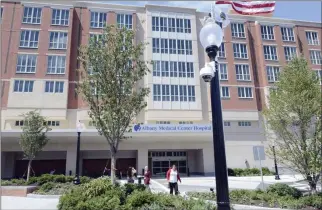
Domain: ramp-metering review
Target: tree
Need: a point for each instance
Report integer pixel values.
(294, 118)
(33, 137)
(112, 68)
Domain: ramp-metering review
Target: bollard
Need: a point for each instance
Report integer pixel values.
(142, 171)
(140, 179)
(188, 172)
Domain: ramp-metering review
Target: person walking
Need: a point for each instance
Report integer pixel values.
(173, 177)
(130, 175)
(134, 172)
(147, 177)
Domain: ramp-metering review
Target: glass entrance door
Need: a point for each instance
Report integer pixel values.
(160, 167)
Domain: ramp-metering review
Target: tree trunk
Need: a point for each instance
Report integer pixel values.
(28, 172)
(312, 184)
(113, 178)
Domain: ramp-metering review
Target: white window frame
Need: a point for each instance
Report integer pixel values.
(56, 85)
(156, 68)
(225, 92)
(188, 47)
(163, 24)
(173, 67)
(191, 93)
(180, 47)
(24, 88)
(244, 124)
(222, 51)
(239, 54)
(239, 33)
(288, 52)
(97, 23)
(310, 39)
(243, 73)
(183, 93)
(172, 46)
(155, 23)
(318, 73)
(172, 24)
(156, 45)
(164, 45)
(123, 20)
(59, 43)
(315, 60)
(187, 26)
(288, 36)
(55, 66)
(174, 92)
(157, 92)
(31, 19)
(30, 66)
(272, 73)
(165, 90)
(223, 71)
(182, 70)
(190, 70)
(165, 71)
(270, 56)
(60, 20)
(29, 38)
(267, 35)
(245, 92)
(180, 25)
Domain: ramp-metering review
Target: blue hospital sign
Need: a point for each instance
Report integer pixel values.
(170, 128)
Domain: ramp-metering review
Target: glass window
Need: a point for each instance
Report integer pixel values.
(180, 28)
(238, 30)
(287, 34)
(155, 23)
(183, 92)
(58, 40)
(221, 51)
(124, 20)
(240, 50)
(242, 72)
(156, 92)
(156, 45)
(156, 69)
(96, 37)
(54, 87)
(244, 124)
(188, 47)
(164, 46)
(180, 47)
(163, 24)
(187, 26)
(272, 73)
(173, 69)
(162, 123)
(185, 123)
(225, 92)
(190, 71)
(56, 64)
(226, 123)
(31, 15)
(245, 92)
(29, 39)
(223, 73)
(270, 52)
(98, 19)
(172, 24)
(60, 17)
(165, 68)
(315, 57)
(25, 86)
(174, 93)
(182, 69)
(312, 37)
(172, 46)
(26, 63)
(267, 32)
(290, 53)
(191, 93)
(165, 92)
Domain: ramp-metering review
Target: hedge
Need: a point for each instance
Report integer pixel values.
(249, 172)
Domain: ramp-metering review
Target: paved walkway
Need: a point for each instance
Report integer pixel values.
(10, 202)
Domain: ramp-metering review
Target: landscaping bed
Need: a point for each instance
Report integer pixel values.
(249, 172)
(276, 196)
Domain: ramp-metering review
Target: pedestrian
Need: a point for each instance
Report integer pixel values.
(130, 175)
(134, 172)
(147, 177)
(173, 177)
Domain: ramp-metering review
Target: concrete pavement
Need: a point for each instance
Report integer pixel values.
(10, 203)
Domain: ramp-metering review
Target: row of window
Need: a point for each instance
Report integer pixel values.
(172, 46)
(27, 86)
(226, 123)
(49, 123)
(174, 93)
(30, 39)
(165, 24)
(168, 122)
(173, 69)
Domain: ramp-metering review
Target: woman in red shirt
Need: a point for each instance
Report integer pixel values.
(173, 177)
(147, 177)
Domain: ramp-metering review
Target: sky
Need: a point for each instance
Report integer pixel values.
(296, 10)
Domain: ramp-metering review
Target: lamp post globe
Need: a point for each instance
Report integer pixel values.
(211, 34)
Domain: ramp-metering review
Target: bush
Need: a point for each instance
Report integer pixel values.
(129, 188)
(6, 183)
(47, 186)
(248, 172)
(18, 182)
(266, 171)
(284, 190)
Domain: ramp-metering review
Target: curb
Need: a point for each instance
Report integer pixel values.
(31, 195)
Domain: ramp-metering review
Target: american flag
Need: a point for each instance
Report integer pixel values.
(250, 7)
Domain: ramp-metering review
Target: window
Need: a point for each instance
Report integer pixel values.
(54, 87)
(244, 124)
(245, 92)
(267, 32)
(185, 122)
(156, 45)
(319, 75)
(163, 122)
(60, 17)
(226, 123)
(179, 25)
(190, 71)
(242, 72)
(240, 51)
(172, 46)
(163, 24)
(173, 69)
(315, 56)
(188, 47)
(182, 69)
(19, 123)
(312, 37)
(58, 40)
(172, 24)
(174, 93)
(165, 68)
(272, 73)
(124, 20)
(156, 92)
(155, 23)
(180, 46)
(225, 92)
(221, 51)
(26, 63)
(165, 92)
(223, 73)
(96, 37)
(29, 39)
(187, 26)
(56, 64)
(164, 46)
(31, 15)
(238, 30)
(183, 92)
(23, 86)
(287, 34)
(98, 19)
(290, 53)
(156, 69)
(52, 123)
(191, 93)
(270, 52)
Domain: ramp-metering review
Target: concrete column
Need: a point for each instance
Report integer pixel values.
(208, 161)
(7, 164)
(71, 160)
(142, 159)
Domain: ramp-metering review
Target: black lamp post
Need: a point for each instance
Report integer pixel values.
(79, 128)
(211, 36)
(277, 176)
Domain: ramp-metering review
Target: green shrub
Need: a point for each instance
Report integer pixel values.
(46, 178)
(69, 178)
(129, 188)
(284, 190)
(59, 178)
(238, 171)
(140, 198)
(266, 171)
(47, 186)
(18, 182)
(32, 180)
(83, 179)
(254, 171)
(6, 183)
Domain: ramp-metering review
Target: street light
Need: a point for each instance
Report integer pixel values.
(211, 37)
(79, 130)
(277, 176)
